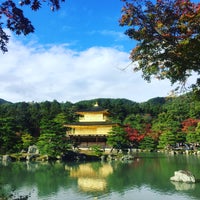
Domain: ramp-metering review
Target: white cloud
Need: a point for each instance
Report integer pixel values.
(39, 73)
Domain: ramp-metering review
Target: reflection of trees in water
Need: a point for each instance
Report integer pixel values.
(100, 178)
(153, 172)
(48, 178)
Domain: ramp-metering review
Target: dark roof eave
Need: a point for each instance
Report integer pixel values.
(91, 124)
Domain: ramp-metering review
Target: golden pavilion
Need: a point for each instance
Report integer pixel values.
(92, 127)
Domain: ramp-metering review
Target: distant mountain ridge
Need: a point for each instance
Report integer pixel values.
(2, 101)
(156, 100)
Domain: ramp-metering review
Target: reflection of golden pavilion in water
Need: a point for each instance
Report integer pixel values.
(89, 178)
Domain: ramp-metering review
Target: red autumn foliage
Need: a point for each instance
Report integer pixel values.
(148, 132)
(189, 124)
(133, 134)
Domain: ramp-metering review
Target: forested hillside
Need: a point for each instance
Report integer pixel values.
(161, 122)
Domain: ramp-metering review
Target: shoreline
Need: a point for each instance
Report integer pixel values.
(84, 155)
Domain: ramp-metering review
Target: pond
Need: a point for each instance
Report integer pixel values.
(144, 178)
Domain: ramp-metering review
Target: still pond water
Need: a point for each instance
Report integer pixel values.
(144, 178)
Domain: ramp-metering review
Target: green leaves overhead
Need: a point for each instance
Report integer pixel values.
(168, 36)
(15, 19)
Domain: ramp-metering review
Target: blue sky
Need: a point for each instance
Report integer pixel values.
(76, 53)
(82, 24)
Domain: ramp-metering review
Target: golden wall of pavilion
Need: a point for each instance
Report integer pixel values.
(93, 117)
(96, 130)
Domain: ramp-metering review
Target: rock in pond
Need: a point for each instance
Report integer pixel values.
(33, 149)
(6, 158)
(183, 176)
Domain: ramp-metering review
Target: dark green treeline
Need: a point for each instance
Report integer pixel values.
(161, 119)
